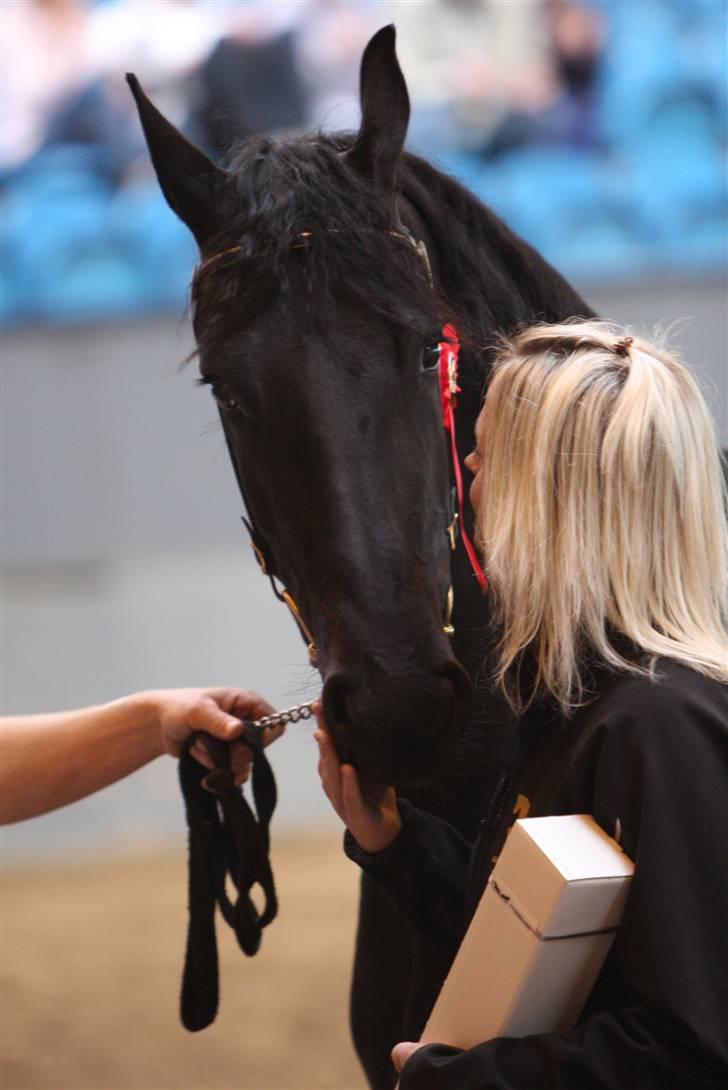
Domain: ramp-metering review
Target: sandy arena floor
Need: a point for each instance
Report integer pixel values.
(91, 961)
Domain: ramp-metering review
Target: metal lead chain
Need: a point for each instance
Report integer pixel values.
(290, 715)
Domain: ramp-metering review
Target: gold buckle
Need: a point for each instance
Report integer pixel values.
(447, 628)
(452, 530)
(312, 649)
(259, 557)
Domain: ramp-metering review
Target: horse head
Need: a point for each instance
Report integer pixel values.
(318, 329)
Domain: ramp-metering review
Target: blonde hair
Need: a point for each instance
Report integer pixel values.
(602, 512)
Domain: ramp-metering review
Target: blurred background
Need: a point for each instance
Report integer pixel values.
(596, 129)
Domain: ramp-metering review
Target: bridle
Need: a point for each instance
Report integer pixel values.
(448, 381)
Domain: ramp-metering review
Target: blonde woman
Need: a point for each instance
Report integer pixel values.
(599, 508)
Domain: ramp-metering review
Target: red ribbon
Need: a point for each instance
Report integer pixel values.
(449, 352)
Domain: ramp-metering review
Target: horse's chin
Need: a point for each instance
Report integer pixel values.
(374, 786)
(397, 727)
(375, 776)
(418, 783)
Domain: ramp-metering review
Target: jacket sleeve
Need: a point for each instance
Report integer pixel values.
(657, 770)
(423, 873)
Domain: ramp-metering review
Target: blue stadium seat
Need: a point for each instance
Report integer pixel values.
(159, 247)
(652, 199)
(71, 264)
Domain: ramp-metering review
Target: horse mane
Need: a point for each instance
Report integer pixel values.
(496, 280)
(301, 218)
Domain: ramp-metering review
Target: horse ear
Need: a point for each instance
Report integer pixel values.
(189, 180)
(385, 111)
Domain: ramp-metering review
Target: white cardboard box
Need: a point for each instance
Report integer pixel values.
(539, 936)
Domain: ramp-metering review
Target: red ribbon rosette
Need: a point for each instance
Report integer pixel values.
(449, 353)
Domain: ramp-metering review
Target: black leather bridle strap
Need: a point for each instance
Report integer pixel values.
(226, 841)
(260, 545)
(266, 560)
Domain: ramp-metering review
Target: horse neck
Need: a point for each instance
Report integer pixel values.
(492, 282)
(490, 278)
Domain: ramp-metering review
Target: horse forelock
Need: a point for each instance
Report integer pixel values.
(283, 187)
(307, 226)
(304, 223)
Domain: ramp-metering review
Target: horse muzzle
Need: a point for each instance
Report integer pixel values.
(398, 727)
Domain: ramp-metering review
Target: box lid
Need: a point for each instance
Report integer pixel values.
(563, 875)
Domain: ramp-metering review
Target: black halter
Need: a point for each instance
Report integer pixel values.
(226, 840)
(266, 560)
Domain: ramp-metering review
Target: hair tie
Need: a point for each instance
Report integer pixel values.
(621, 348)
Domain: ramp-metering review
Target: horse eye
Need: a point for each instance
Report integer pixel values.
(430, 357)
(224, 397)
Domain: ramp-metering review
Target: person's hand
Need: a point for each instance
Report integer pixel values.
(179, 712)
(371, 817)
(402, 1052)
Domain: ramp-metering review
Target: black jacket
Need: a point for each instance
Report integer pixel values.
(649, 760)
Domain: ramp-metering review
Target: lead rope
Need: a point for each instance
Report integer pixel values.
(226, 842)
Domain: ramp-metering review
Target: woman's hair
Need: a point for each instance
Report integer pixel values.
(602, 514)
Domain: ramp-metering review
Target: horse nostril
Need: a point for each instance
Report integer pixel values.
(397, 726)
(462, 688)
(335, 697)
(334, 700)
(357, 736)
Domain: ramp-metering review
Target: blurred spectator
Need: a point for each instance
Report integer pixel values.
(331, 37)
(466, 62)
(561, 112)
(524, 73)
(250, 82)
(63, 63)
(46, 60)
(604, 164)
(163, 41)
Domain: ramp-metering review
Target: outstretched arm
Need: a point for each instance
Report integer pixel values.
(47, 761)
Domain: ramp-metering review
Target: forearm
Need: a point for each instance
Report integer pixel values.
(47, 761)
(423, 873)
(630, 1046)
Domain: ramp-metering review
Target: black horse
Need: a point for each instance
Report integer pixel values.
(317, 317)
